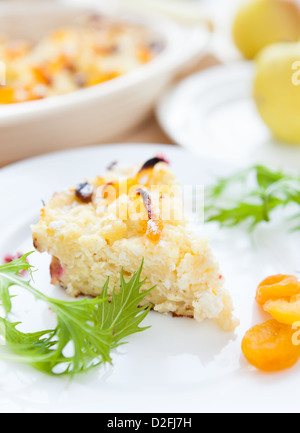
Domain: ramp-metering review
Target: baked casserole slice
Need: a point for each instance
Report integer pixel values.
(112, 222)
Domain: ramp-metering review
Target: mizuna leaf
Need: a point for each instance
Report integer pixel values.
(86, 332)
(251, 196)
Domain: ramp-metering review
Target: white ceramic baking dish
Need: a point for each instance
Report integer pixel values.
(95, 114)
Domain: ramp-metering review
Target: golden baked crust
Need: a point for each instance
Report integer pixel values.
(112, 222)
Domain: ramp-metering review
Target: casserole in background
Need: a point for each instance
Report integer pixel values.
(99, 113)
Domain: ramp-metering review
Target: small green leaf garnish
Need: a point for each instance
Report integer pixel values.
(11, 268)
(86, 331)
(251, 196)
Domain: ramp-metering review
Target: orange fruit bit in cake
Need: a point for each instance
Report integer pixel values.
(145, 176)
(144, 54)
(154, 230)
(277, 287)
(113, 190)
(41, 76)
(270, 347)
(154, 225)
(7, 95)
(17, 49)
(101, 77)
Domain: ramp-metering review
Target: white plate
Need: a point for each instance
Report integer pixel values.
(178, 365)
(213, 113)
(99, 113)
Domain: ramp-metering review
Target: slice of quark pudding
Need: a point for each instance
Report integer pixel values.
(110, 223)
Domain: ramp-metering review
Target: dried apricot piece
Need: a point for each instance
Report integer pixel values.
(277, 287)
(154, 229)
(283, 311)
(269, 347)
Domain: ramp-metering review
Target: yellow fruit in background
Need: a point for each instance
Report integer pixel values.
(277, 90)
(260, 23)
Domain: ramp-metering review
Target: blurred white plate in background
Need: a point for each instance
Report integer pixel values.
(213, 113)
